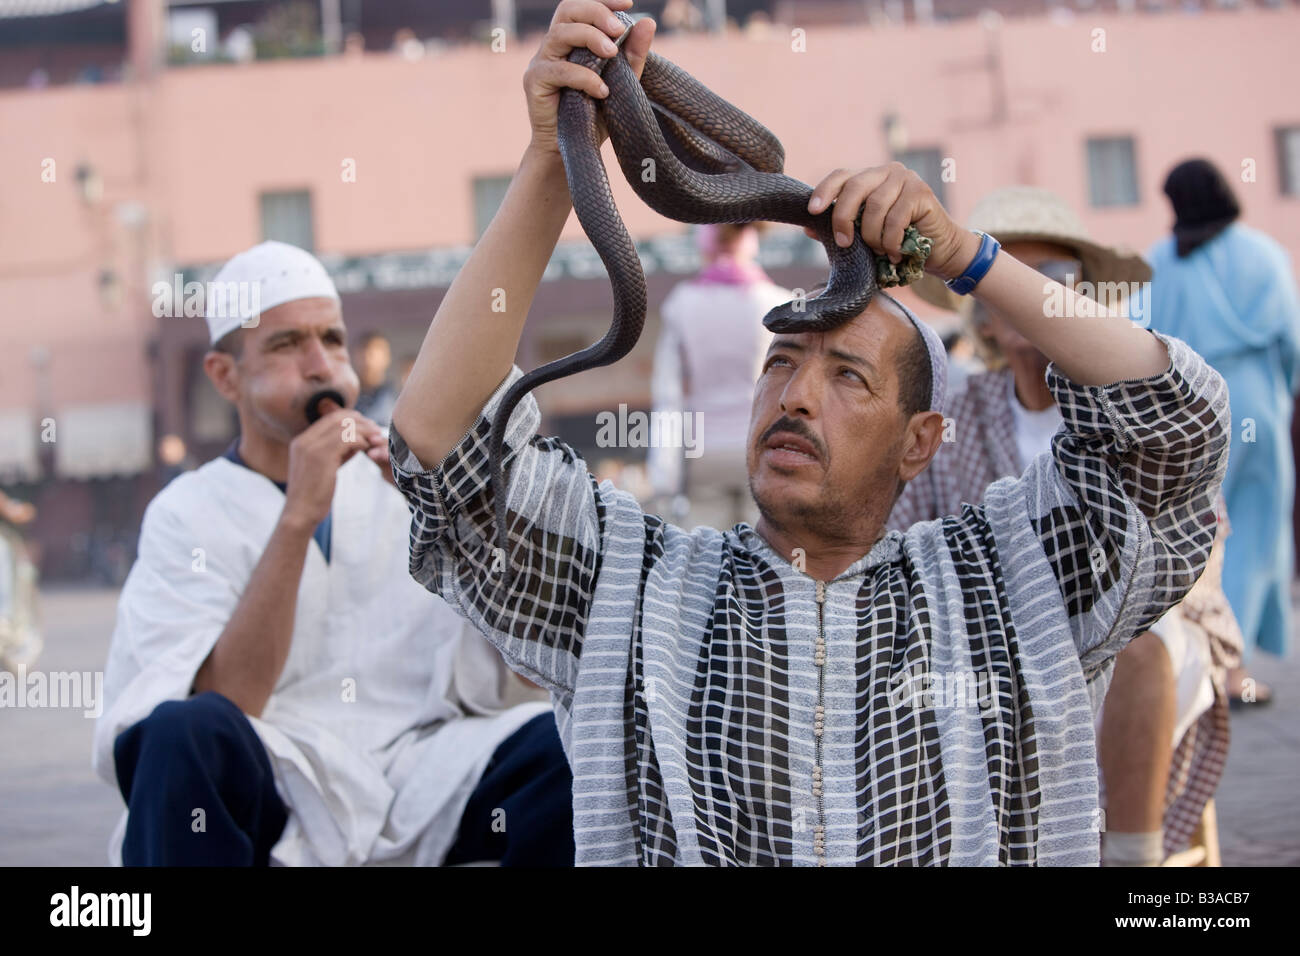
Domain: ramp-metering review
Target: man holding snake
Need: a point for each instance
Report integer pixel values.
(813, 690)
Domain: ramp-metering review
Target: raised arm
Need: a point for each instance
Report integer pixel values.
(537, 615)
(1123, 510)
(1089, 344)
(471, 344)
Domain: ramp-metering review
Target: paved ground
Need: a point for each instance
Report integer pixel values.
(56, 812)
(1259, 821)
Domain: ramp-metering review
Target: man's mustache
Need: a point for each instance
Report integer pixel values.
(795, 426)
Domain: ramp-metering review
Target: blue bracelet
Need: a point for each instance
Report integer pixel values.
(965, 283)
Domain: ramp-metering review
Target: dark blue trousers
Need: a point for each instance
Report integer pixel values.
(521, 812)
(199, 787)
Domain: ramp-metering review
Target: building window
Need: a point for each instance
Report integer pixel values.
(488, 193)
(1288, 159)
(286, 216)
(928, 164)
(1112, 171)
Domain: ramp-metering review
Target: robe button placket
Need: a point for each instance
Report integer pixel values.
(819, 725)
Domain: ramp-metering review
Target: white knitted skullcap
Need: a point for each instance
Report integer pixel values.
(938, 356)
(269, 274)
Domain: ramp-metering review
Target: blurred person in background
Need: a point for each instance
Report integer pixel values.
(681, 16)
(274, 664)
(1163, 728)
(708, 357)
(963, 358)
(20, 637)
(377, 395)
(15, 512)
(404, 371)
(1228, 291)
(173, 458)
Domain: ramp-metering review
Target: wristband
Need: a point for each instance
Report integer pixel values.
(965, 283)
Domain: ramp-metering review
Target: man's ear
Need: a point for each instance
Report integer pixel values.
(222, 371)
(923, 438)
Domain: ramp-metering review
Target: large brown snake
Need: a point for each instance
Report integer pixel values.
(709, 163)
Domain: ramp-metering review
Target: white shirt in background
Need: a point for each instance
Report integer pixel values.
(1187, 645)
(708, 358)
(1034, 430)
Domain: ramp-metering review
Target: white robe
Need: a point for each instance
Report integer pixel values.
(370, 729)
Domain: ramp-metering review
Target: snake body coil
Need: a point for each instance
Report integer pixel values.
(693, 157)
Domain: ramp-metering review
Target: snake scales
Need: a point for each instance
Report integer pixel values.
(710, 163)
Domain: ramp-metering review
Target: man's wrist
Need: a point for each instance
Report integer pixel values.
(296, 523)
(544, 185)
(968, 245)
(542, 159)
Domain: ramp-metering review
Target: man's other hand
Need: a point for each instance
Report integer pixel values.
(891, 198)
(315, 456)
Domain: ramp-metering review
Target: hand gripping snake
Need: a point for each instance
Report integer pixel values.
(708, 162)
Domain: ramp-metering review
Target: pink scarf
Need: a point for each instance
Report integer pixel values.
(728, 271)
(738, 269)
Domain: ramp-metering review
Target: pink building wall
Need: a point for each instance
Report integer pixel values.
(195, 146)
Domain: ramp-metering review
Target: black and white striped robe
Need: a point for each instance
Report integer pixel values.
(933, 704)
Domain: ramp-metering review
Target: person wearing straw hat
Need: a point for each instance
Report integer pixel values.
(1163, 732)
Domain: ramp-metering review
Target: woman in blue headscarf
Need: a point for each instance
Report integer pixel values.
(1228, 291)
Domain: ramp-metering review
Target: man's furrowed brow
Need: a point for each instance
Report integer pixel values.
(786, 343)
(794, 345)
(284, 335)
(852, 359)
(293, 335)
